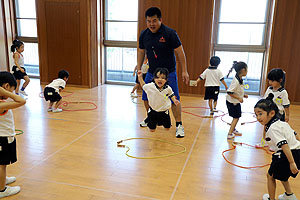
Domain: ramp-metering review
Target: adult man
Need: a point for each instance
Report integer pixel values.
(160, 42)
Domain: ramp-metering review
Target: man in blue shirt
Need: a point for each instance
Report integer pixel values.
(160, 43)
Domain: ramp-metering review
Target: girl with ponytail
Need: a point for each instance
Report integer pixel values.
(18, 69)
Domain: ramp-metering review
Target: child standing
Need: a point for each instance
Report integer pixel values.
(276, 79)
(213, 78)
(144, 70)
(8, 152)
(51, 91)
(281, 137)
(18, 69)
(235, 95)
(159, 95)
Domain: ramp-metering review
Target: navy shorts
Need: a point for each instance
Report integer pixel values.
(280, 166)
(158, 119)
(212, 92)
(234, 110)
(18, 74)
(8, 151)
(51, 95)
(137, 78)
(172, 82)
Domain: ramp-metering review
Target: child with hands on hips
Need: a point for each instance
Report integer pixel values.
(159, 95)
(213, 78)
(235, 95)
(8, 151)
(285, 141)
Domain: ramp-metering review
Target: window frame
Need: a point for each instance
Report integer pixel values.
(243, 48)
(114, 43)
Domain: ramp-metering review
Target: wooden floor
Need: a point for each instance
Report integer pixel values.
(74, 155)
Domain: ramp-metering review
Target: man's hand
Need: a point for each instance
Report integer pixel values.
(185, 77)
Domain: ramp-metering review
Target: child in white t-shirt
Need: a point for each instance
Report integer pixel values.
(213, 78)
(285, 142)
(159, 95)
(51, 91)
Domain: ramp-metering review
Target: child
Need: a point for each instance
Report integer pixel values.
(18, 69)
(144, 69)
(159, 95)
(213, 78)
(276, 79)
(235, 95)
(286, 160)
(51, 91)
(8, 152)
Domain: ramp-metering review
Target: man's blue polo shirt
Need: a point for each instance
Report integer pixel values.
(160, 47)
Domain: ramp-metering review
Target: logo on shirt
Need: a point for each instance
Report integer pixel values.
(278, 100)
(162, 39)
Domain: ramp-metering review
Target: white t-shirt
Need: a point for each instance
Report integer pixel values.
(56, 84)
(279, 133)
(236, 87)
(212, 76)
(281, 98)
(158, 100)
(7, 127)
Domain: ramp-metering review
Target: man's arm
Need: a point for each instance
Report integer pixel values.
(140, 59)
(182, 60)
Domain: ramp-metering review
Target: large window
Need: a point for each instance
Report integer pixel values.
(27, 32)
(240, 35)
(120, 39)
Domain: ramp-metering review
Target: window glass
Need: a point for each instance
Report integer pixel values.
(25, 9)
(122, 10)
(27, 27)
(31, 58)
(121, 31)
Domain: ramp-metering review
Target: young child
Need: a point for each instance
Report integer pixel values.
(286, 160)
(213, 78)
(8, 151)
(235, 95)
(51, 91)
(276, 79)
(144, 70)
(159, 95)
(18, 69)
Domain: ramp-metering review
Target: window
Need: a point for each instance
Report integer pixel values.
(27, 32)
(120, 40)
(240, 35)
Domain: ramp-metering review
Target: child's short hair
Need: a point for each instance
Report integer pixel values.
(6, 77)
(278, 75)
(16, 44)
(63, 73)
(237, 66)
(163, 71)
(267, 104)
(215, 61)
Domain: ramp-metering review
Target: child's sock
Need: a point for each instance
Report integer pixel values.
(178, 123)
(22, 89)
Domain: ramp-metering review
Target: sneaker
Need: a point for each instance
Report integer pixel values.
(230, 136)
(266, 197)
(143, 124)
(23, 92)
(179, 131)
(50, 109)
(10, 180)
(286, 197)
(237, 133)
(261, 145)
(215, 110)
(133, 95)
(57, 110)
(10, 191)
(211, 112)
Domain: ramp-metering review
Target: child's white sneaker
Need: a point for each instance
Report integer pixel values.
(57, 110)
(10, 180)
(143, 124)
(286, 197)
(237, 133)
(265, 197)
(23, 92)
(230, 136)
(133, 95)
(10, 191)
(50, 109)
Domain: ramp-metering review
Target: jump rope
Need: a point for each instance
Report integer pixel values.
(67, 103)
